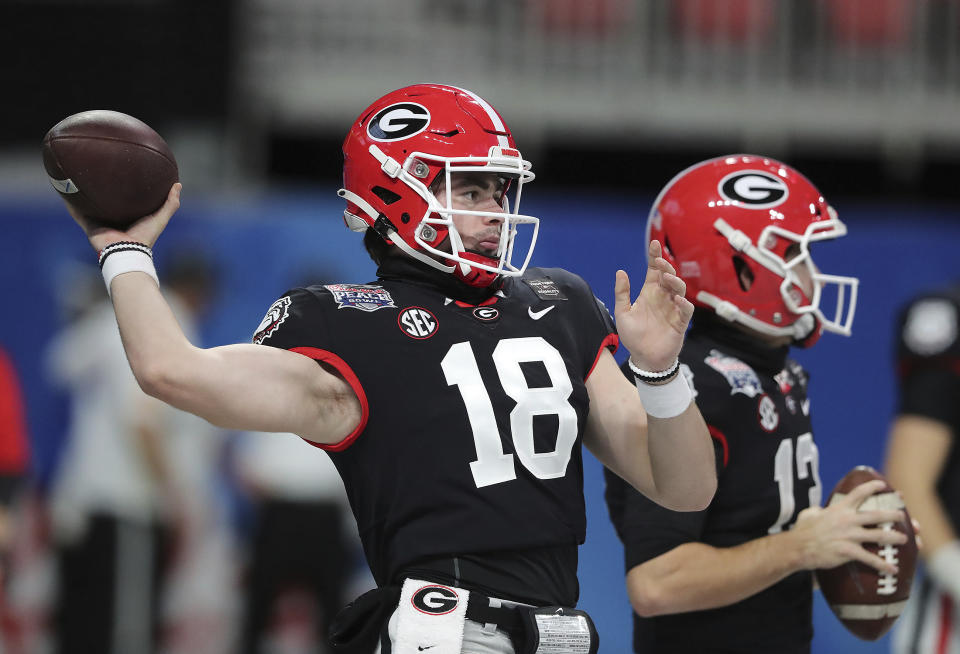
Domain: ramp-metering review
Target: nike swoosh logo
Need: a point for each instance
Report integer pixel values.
(537, 315)
(421, 647)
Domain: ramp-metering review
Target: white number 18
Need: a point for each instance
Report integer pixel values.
(492, 465)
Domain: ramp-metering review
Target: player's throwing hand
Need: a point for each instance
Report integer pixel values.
(146, 230)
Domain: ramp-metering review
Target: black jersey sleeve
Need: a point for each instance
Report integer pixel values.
(603, 315)
(297, 322)
(711, 392)
(928, 359)
(294, 320)
(607, 334)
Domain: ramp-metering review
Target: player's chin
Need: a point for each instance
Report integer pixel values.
(483, 252)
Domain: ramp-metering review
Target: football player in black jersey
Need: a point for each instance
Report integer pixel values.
(453, 393)
(923, 463)
(736, 577)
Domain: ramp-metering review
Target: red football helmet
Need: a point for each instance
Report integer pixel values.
(737, 228)
(400, 145)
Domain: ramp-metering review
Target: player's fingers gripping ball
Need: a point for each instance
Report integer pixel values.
(864, 599)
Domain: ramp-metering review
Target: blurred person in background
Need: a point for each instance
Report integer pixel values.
(923, 463)
(29, 582)
(304, 551)
(454, 393)
(737, 577)
(120, 497)
(14, 455)
(199, 602)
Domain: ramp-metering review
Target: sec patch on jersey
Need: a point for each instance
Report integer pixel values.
(866, 600)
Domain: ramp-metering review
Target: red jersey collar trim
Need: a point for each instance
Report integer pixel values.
(466, 305)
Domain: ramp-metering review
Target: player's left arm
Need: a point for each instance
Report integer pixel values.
(916, 455)
(923, 436)
(695, 576)
(670, 460)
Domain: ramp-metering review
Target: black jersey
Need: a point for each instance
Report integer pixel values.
(473, 418)
(756, 408)
(928, 356)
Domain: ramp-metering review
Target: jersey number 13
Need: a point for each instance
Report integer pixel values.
(807, 462)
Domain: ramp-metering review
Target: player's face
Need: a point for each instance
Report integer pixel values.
(806, 285)
(475, 191)
(802, 272)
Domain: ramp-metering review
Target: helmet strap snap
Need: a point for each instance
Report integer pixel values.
(384, 227)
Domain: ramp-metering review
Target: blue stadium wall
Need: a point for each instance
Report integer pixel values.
(261, 244)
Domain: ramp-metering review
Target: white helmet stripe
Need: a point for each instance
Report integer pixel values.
(494, 117)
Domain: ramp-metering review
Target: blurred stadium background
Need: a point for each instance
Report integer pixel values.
(609, 98)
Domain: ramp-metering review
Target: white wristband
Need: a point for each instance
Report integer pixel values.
(668, 400)
(118, 263)
(944, 568)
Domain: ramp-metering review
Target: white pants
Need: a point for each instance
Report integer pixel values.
(930, 624)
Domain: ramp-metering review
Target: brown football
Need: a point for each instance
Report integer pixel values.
(109, 166)
(865, 600)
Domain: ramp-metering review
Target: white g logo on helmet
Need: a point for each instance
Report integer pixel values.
(398, 121)
(753, 189)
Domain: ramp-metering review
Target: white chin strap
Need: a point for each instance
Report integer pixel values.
(798, 331)
(358, 224)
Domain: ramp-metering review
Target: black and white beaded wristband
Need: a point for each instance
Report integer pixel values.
(664, 394)
(654, 377)
(124, 257)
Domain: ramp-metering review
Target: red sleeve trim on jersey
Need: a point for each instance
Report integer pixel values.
(14, 448)
(945, 626)
(717, 435)
(612, 341)
(348, 374)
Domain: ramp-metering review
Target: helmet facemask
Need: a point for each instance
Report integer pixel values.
(435, 232)
(796, 300)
